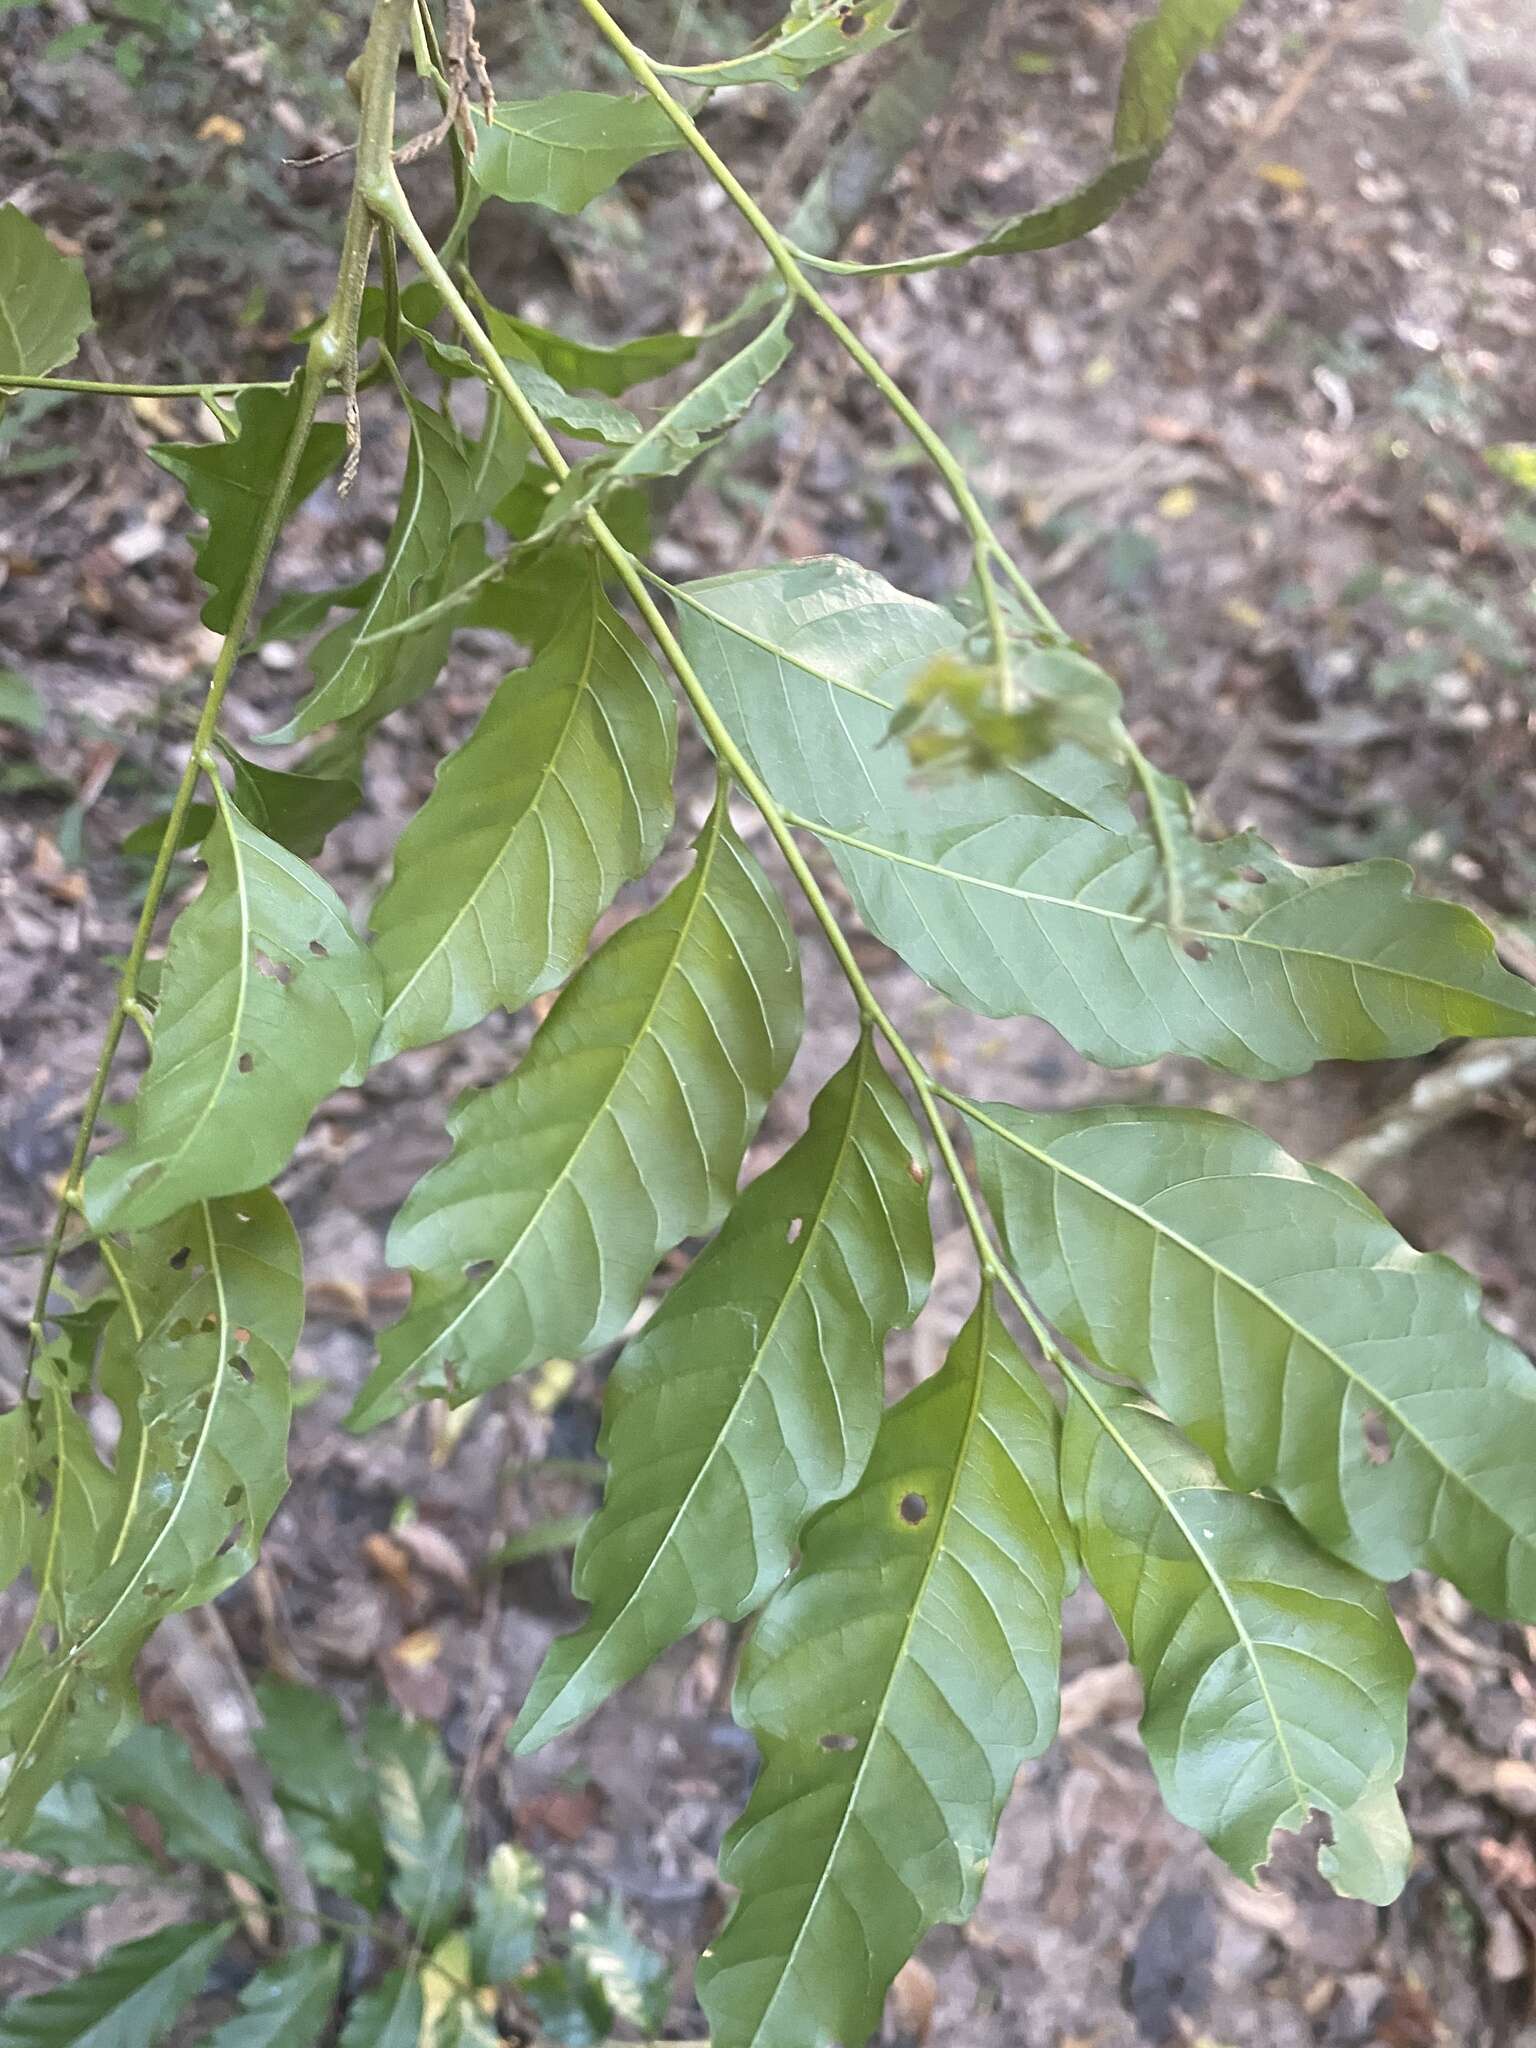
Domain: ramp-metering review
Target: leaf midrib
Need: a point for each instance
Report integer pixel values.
(898, 1662)
(1083, 1389)
(578, 697)
(387, 587)
(771, 647)
(169, 1160)
(804, 665)
(782, 48)
(628, 462)
(699, 877)
(220, 1383)
(1076, 903)
(12, 330)
(809, 1237)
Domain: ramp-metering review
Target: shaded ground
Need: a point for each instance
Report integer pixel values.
(1238, 436)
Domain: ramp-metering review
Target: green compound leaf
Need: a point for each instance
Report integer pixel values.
(51, 1478)
(269, 1001)
(286, 2005)
(45, 302)
(423, 1821)
(353, 663)
(200, 1822)
(1274, 968)
(130, 2000)
(810, 663)
(33, 1906)
(231, 483)
(417, 653)
(814, 34)
(535, 593)
(1032, 889)
(895, 1685)
(298, 613)
(196, 1361)
(1280, 1320)
(561, 794)
(682, 433)
(1158, 54)
(752, 1396)
(621, 1133)
(563, 151)
(1276, 1678)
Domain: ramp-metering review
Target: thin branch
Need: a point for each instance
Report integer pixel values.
(208, 1669)
(925, 65)
(1189, 227)
(986, 547)
(93, 387)
(331, 348)
(1434, 1099)
(733, 760)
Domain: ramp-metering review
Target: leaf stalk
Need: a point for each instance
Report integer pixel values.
(629, 573)
(986, 547)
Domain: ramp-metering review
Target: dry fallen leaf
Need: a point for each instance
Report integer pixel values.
(338, 1298)
(414, 1678)
(565, 1811)
(49, 871)
(909, 2008)
(391, 1562)
(435, 1553)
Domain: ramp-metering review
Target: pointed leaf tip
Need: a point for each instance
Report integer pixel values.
(1276, 1678)
(895, 1684)
(751, 1397)
(562, 793)
(621, 1133)
(195, 1359)
(269, 1001)
(1276, 1315)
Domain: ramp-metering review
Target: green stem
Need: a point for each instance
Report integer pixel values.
(1162, 830)
(92, 387)
(428, 53)
(726, 750)
(986, 548)
(390, 269)
(311, 386)
(328, 352)
(463, 220)
(427, 56)
(444, 607)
